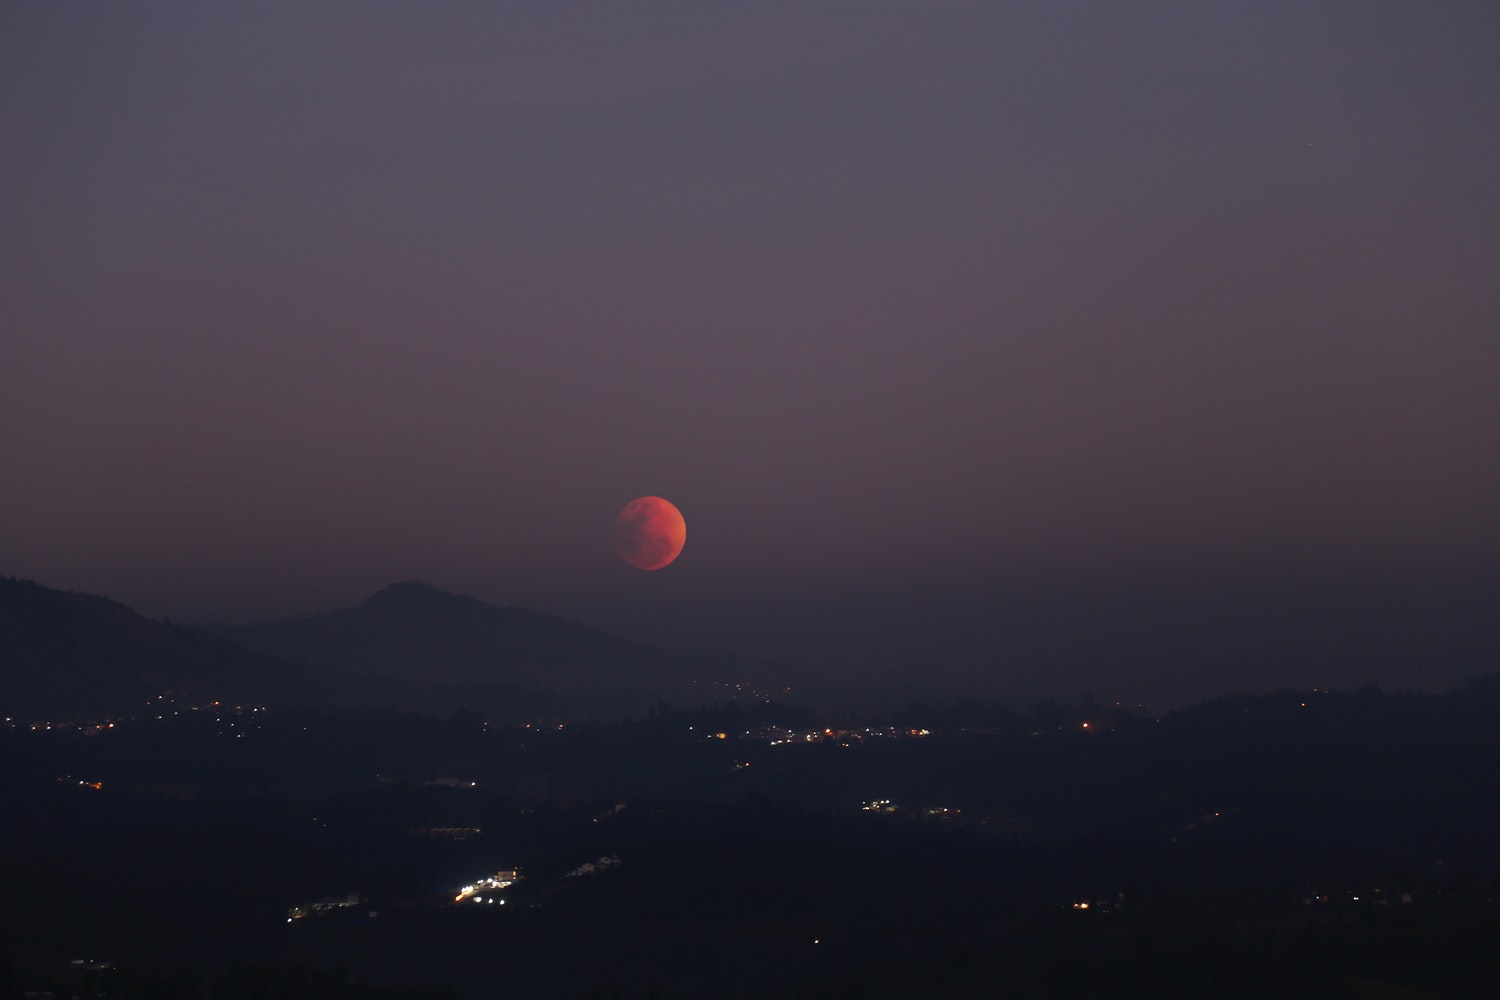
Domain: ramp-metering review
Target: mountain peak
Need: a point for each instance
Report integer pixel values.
(406, 593)
(412, 629)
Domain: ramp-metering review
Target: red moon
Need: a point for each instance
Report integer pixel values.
(650, 532)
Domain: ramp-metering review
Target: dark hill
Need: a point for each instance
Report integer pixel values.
(64, 655)
(70, 656)
(418, 632)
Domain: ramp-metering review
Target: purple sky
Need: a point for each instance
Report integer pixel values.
(1128, 347)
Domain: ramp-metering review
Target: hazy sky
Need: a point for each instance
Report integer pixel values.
(1126, 346)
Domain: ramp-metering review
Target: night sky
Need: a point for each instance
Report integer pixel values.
(1149, 349)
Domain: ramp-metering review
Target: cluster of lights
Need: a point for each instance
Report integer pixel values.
(159, 704)
(1100, 904)
(844, 736)
(87, 728)
(496, 882)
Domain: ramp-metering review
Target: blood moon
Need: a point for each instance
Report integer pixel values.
(650, 532)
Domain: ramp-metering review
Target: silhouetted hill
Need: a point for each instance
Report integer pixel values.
(418, 632)
(414, 630)
(68, 654)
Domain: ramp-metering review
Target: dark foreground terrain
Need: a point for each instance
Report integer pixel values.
(1298, 845)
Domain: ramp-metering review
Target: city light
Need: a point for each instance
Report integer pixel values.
(500, 880)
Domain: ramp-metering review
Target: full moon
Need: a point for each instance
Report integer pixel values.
(650, 532)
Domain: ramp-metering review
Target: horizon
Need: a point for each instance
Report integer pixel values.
(883, 686)
(1141, 349)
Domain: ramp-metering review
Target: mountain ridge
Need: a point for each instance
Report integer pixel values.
(66, 655)
(411, 629)
(69, 652)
